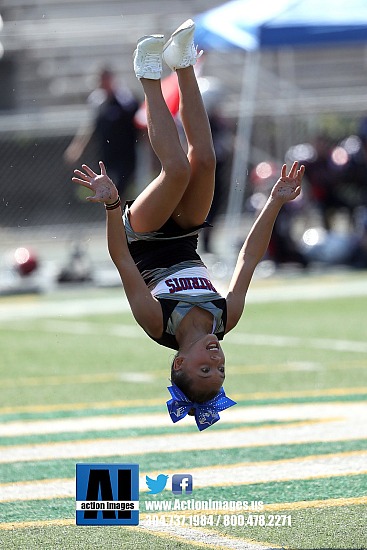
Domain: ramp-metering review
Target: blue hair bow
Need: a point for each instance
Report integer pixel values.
(206, 414)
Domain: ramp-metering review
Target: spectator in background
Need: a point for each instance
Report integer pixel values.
(283, 246)
(354, 174)
(114, 129)
(321, 177)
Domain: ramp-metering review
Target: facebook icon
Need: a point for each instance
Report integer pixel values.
(182, 483)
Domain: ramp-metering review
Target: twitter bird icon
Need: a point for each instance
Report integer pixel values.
(156, 485)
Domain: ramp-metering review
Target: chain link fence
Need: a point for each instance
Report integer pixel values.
(36, 187)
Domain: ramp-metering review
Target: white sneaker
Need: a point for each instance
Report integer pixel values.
(180, 52)
(148, 57)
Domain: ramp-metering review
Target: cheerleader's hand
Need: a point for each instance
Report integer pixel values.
(288, 187)
(100, 184)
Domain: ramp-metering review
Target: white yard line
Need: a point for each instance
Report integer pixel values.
(341, 464)
(38, 309)
(347, 428)
(284, 413)
(312, 290)
(237, 338)
(275, 291)
(204, 537)
(293, 341)
(353, 425)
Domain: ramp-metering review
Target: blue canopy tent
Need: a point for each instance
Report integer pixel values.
(254, 24)
(258, 25)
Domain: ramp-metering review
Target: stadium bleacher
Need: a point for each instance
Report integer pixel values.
(58, 47)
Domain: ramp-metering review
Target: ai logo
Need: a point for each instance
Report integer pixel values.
(107, 494)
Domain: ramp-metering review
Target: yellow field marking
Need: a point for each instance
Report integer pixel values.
(293, 367)
(96, 378)
(187, 534)
(301, 393)
(38, 523)
(280, 462)
(72, 379)
(101, 424)
(303, 505)
(286, 433)
(60, 380)
(20, 298)
(274, 463)
(250, 415)
(275, 507)
(30, 482)
(212, 537)
(282, 480)
(59, 407)
(201, 469)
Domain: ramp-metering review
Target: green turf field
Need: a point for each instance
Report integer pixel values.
(80, 383)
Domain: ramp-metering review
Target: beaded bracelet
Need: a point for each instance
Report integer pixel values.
(113, 205)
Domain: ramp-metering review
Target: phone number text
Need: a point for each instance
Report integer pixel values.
(233, 520)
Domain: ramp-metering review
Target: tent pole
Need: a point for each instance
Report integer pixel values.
(241, 156)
